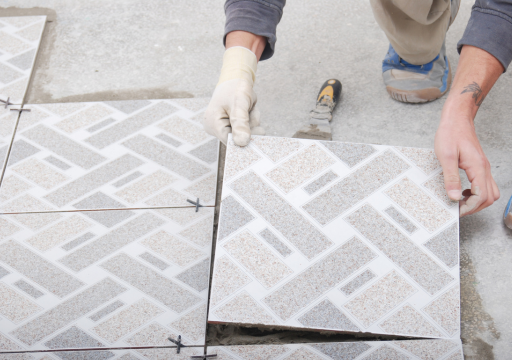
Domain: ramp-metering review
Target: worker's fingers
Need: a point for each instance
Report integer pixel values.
(216, 123)
(472, 202)
(496, 190)
(239, 118)
(254, 117)
(254, 122)
(450, 162)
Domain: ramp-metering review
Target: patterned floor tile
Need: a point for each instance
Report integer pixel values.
(106, 288)
(336, 246)
(19, 42)
(108, 155)
(7, 124)
(375, 350)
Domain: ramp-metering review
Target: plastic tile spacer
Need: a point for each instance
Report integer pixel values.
(20, 110)
(178, 343)
(196, 203)
(6, 102)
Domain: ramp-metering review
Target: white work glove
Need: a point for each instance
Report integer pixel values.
(233, 104)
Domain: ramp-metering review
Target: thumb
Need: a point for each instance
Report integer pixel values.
(451, 178)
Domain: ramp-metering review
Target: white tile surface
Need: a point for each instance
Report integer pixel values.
(101, 286)
(335, 234)
(108, 155)
(19, 42)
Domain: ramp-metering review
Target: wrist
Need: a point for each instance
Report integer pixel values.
(238, 63)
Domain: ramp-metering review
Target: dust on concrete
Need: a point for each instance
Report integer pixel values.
(36, 94)
(475, 321)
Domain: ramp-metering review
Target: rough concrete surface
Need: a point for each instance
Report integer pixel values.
(127, 49)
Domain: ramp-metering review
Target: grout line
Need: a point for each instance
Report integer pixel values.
(218, 196)
(97, 349)
(119, 209)
(8, 152)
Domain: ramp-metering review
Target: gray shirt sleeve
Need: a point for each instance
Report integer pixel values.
(259, 17)
(490, 29)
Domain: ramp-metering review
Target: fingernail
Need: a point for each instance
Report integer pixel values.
(455, 194)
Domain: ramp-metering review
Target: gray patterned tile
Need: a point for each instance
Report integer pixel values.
(91, 274)
(75, 337)
(419, 205)
(38, 269)
(274, 241)
(70, 152)
(372, 304)
(445, 245)
(334, 234)
(327, 316)
(18, 54)
(357, 282)
(355, 187)
(281, 215)
(408, 321)
(402, 251)
(151, 283)
(196, 276)
(112, 241)
(29, 289)
(400, 219)
(319, 183)
(106, 310)
(233, 217)
(320, 277)
(153, 260)
(67, 311)
(350, 154)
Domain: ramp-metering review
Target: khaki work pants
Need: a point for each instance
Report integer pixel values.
(415, 28)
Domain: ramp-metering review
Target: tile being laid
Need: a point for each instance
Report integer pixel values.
(438, 349)
(105, 289)
(345, 256)
(7, 123)
(19, 43)
(57, 159)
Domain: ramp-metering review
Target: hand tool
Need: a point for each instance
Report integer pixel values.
(318, 127)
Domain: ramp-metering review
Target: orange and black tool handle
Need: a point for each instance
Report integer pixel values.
(332, 88)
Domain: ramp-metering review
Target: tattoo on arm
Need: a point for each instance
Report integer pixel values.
(477, 93)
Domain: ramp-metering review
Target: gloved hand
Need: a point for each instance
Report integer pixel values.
(233, 104)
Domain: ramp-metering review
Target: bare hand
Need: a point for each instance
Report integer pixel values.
(457, 145)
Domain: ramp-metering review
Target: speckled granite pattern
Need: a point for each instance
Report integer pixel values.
(375, 350)
(7, 123)
(19, 43)
(108, 155)
(102, 291)
(347, 255)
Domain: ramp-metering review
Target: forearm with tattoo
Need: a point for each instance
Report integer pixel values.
(478, 95)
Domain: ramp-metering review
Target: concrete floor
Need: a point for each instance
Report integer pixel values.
(126, 49)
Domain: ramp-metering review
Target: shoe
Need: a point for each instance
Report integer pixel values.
(410, 83)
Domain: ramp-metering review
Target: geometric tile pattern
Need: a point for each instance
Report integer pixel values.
(101, 292)
(115, 277)
(355, 253)
(19, 42)
(108, 155)
(7, 124)
(439, 349)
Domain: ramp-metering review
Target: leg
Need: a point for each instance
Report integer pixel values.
(416, 68)
(415, 28)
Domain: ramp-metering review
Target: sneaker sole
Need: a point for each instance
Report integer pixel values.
(420, 96)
